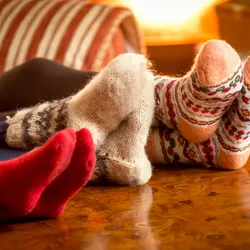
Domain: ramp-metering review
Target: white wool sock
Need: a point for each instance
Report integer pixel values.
(122, 158)
(100, 106)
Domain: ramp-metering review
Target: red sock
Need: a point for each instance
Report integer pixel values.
(54, 199)
(23, 179)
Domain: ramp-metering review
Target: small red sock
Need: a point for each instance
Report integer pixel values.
(23, 179)
(54, 199)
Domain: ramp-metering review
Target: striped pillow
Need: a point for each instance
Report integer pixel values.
(75, 33)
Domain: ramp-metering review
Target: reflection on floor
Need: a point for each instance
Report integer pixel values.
(180, 208)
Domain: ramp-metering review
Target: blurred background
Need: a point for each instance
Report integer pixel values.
(174, 30)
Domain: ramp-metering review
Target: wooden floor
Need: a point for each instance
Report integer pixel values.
(178, 209)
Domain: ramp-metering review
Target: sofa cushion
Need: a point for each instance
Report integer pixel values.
(76, 33)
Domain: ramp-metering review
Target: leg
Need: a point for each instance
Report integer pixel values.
(48, 202)
(100, 106)
(39, 80)
(23, 179)
(228, 148)
(56, 196)
(196, 102)
(234, 132)
(167, 146)
(122, 158)
(7, 153)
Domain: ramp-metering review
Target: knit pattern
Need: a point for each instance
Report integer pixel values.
(100, 107)
(234, 132)
(232, 138)
(34, 126)
(204, 121)
(172, 148)
(188, 98)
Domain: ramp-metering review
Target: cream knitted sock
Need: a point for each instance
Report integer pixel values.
(122, 158)
(100, 106)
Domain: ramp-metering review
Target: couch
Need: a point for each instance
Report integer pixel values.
(76, 33)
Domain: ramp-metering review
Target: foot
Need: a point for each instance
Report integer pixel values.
(227, 148)
(100, 107)
(23, 179)
(56, 196)
(196, 102)
(234, 131)
(122, 158)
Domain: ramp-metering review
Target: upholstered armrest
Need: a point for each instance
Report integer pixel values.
(77, 34)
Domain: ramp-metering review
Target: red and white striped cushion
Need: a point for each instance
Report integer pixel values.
(76, 33)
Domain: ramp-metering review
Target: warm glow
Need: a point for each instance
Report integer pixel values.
(162, 12)
(174, 21)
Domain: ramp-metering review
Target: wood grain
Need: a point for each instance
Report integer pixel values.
(180, 208)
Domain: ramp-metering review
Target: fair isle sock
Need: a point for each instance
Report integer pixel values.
(196, 102)
(167, 146)
(122, 158)
(228, 148)
(234, 132)
(99, 107)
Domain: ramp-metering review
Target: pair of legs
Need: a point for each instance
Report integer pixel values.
(40, 183)
(52, 186)
(203, 118)
(117, 99)
(186, 109)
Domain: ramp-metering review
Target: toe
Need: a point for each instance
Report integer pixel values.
(216, 62)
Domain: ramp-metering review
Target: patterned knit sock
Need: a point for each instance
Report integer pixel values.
(167, 146)
(99, 107)
(234, 131)
(23, 179)
(122, 158)
(227, 148)
(196, 102)
(56, 196)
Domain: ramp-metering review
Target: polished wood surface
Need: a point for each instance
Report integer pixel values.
(180, 208)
